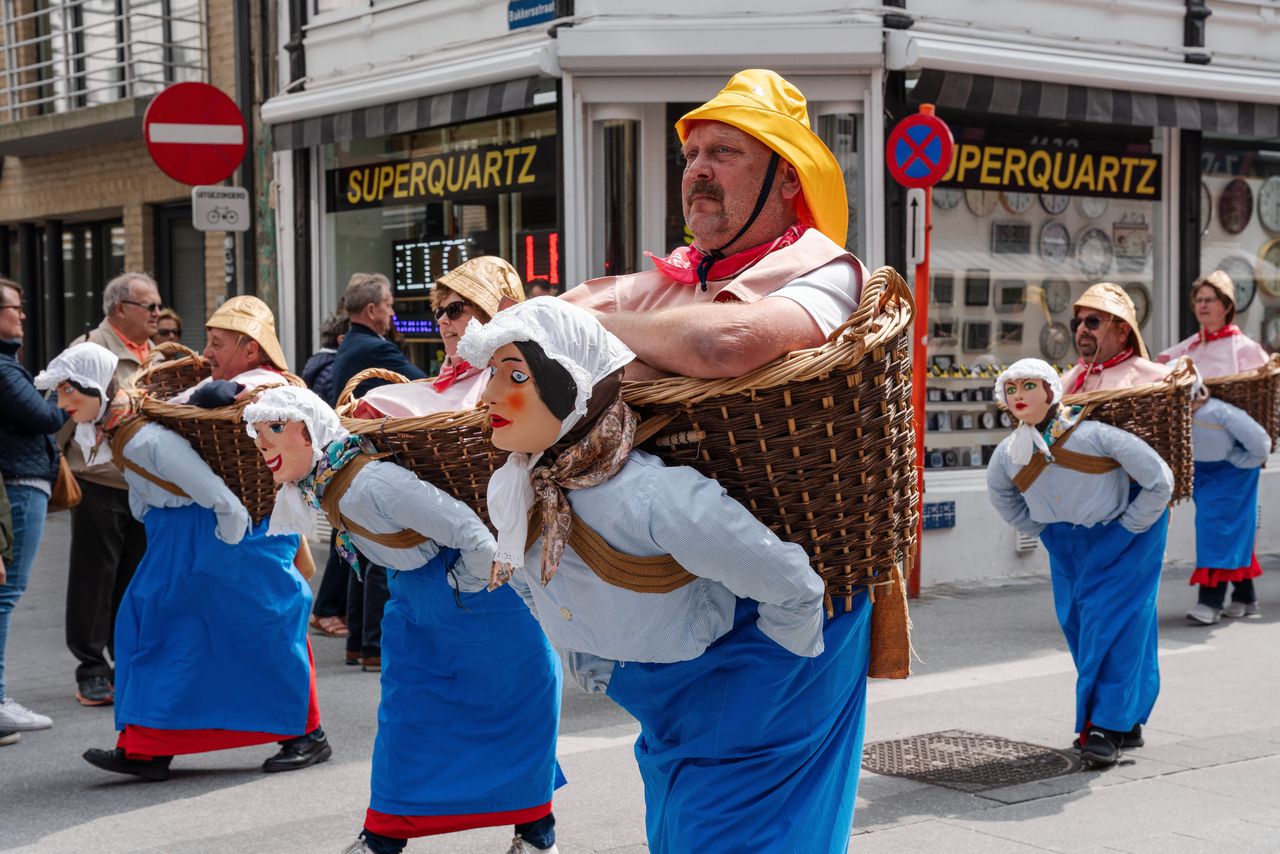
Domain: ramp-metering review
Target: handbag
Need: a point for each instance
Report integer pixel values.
(66, 492)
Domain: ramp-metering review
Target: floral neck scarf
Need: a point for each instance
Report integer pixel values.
(337, 455)
(1067, 417)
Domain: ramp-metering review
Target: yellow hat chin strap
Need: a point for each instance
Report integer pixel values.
(714, 255)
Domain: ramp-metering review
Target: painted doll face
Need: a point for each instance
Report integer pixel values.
(520, 420)
(1027, 399)
(82, 408)
(286, 449)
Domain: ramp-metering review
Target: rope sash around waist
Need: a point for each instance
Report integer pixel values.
(1083, 463)
(337, 487)
(657, 574)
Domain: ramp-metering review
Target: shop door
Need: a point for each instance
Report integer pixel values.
(180, 270)
(92, 254)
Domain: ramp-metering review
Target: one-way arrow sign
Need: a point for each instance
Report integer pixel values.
(915, 226)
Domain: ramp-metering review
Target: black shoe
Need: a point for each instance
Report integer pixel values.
(301, 752)
(1101, 747)
(154, 769)
(1132, 738)
(95, 691)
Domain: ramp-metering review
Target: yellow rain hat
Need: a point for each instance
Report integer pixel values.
(1222, 283)
(761, 103)
(1111, 298)
(483, 282)
(250, 316)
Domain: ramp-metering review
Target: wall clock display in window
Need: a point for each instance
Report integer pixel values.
(1268, 274)
(1010, 295)
(1009, 333)
(1015, 202)
(1011, 238)
(1269, 204)
(981, 202)
(1054, 203)
(1055, 341)
(977, 287)
(1093, 252)
(1055, 242)
(942, 288)
(1235, 206)
(1092, 206)
(1141, 300)
(1206, 208)
(1240, 269)
(946, 198)
(1057, 294)
(1271, 330)
(977, 336)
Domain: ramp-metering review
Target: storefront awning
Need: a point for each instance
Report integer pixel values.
(981, 93)
(428, 111)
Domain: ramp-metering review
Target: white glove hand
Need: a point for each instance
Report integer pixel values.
(233, 524)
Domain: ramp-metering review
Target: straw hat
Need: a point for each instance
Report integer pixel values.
(1220, 282)
(251, 316)
(763, 104)
(483, 282)
(1111, 298)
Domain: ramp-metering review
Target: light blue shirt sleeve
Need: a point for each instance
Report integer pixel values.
(170, 457)
(1146, 467)
(1006, 497)
(715, 537)
(1253, 445)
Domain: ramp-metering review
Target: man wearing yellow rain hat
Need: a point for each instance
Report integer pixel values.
(1112, 352)
(242, 350)
(765, 201)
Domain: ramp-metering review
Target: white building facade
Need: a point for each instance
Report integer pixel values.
(417, 134)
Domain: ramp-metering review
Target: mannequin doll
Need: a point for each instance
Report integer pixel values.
(470, 687)
(215, 605)
(1067, 480)
(666, 594)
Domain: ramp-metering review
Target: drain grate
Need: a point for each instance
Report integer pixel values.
(967, 761)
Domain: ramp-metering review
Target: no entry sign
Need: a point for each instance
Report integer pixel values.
(919, 150)
(195, 133)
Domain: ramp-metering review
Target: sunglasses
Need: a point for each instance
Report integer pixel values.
(168, 333)
(1092, 322)
(150, 307)
(453, 309)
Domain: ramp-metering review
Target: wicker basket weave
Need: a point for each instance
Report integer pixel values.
(1257, 392)
(170, 368)
(818, 444)
(217, 435)
(1158, 413)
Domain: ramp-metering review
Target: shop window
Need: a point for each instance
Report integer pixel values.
(1023, 223)
(616, 240)
(414, 206)
(92, 254)
(180, 270)
(1240, 229)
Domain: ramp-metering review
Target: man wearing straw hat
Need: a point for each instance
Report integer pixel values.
(1112, 352)
(242, 352)
(765, 200)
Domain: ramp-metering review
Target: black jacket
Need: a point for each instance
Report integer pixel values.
(363, 348)
(317, 373)
(27, 422)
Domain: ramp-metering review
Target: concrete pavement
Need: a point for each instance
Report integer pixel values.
(993, 662)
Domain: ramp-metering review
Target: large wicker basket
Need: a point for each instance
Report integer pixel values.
(1257, 392)
(1158, 413)
(217, 435)
(818, 444)
(170, 368)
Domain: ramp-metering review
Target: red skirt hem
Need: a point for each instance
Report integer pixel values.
(144, 742)
(1210, 577)
(413, 826)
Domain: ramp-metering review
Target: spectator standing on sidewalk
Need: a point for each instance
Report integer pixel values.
(106, 541)
(317, 373)
(6, 558)
(368, 303)
(29, 466)
(168, 327)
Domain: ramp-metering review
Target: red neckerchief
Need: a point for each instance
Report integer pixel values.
(1095, 368)
(450, 374)
(682, 264)
(1225, 332)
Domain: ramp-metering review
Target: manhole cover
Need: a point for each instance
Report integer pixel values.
(967, 761)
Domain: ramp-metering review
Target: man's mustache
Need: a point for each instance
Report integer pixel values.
(704, 188)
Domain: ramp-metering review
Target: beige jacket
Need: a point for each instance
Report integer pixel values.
(103, 474)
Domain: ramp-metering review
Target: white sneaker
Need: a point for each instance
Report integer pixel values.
(1204, 615)
(1242, 609)
(16, 717)
(357, 847)
(520, 846)
(9, 738)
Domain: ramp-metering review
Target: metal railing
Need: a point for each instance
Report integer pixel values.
(62, 56)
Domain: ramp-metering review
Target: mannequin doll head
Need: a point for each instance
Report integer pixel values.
(83, 378)
(286, 448)
(528, 397)
(1028, 398)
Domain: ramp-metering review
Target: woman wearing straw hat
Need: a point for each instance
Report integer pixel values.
(1067, 480)
(766, 202)
(211, 638)
(669, 596)
(470, 687)
(1219, 349)
(476, 289)
(1112, 352)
